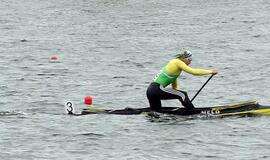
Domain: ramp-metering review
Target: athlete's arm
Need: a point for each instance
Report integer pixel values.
(193, 71)
(175, 85)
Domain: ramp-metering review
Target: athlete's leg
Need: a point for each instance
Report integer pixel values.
(153, 97)
(186, 102)
(169, 93)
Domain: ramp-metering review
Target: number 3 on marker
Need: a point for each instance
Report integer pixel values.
(69, 107)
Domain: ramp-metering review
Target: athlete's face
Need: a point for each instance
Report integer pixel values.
(187, 61)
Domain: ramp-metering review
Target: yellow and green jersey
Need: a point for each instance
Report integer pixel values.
(173, 69)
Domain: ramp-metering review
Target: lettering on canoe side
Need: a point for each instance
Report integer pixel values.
(211, 112)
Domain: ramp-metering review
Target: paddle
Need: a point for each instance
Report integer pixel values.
(202, 87)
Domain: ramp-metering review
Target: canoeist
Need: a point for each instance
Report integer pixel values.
(158, 89)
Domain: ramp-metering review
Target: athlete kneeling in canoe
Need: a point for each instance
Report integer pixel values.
(157, 90)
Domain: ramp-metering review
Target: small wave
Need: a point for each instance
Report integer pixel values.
(129, 62)
(11, 113)
(23, 40)
(82, 134)
(249, 21)
(249, 50)
(92, 134)
(165, 118)
(119, 77)
(257, 36)
(47, 74)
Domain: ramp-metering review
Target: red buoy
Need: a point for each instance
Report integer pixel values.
(54, 58)
(88, 100)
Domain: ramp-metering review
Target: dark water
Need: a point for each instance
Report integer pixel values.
(112, 50)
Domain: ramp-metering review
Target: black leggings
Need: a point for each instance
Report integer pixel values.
(155, 93)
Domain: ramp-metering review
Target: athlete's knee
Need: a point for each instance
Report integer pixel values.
(184, 92)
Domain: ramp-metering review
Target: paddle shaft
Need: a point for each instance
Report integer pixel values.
(202, 87)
